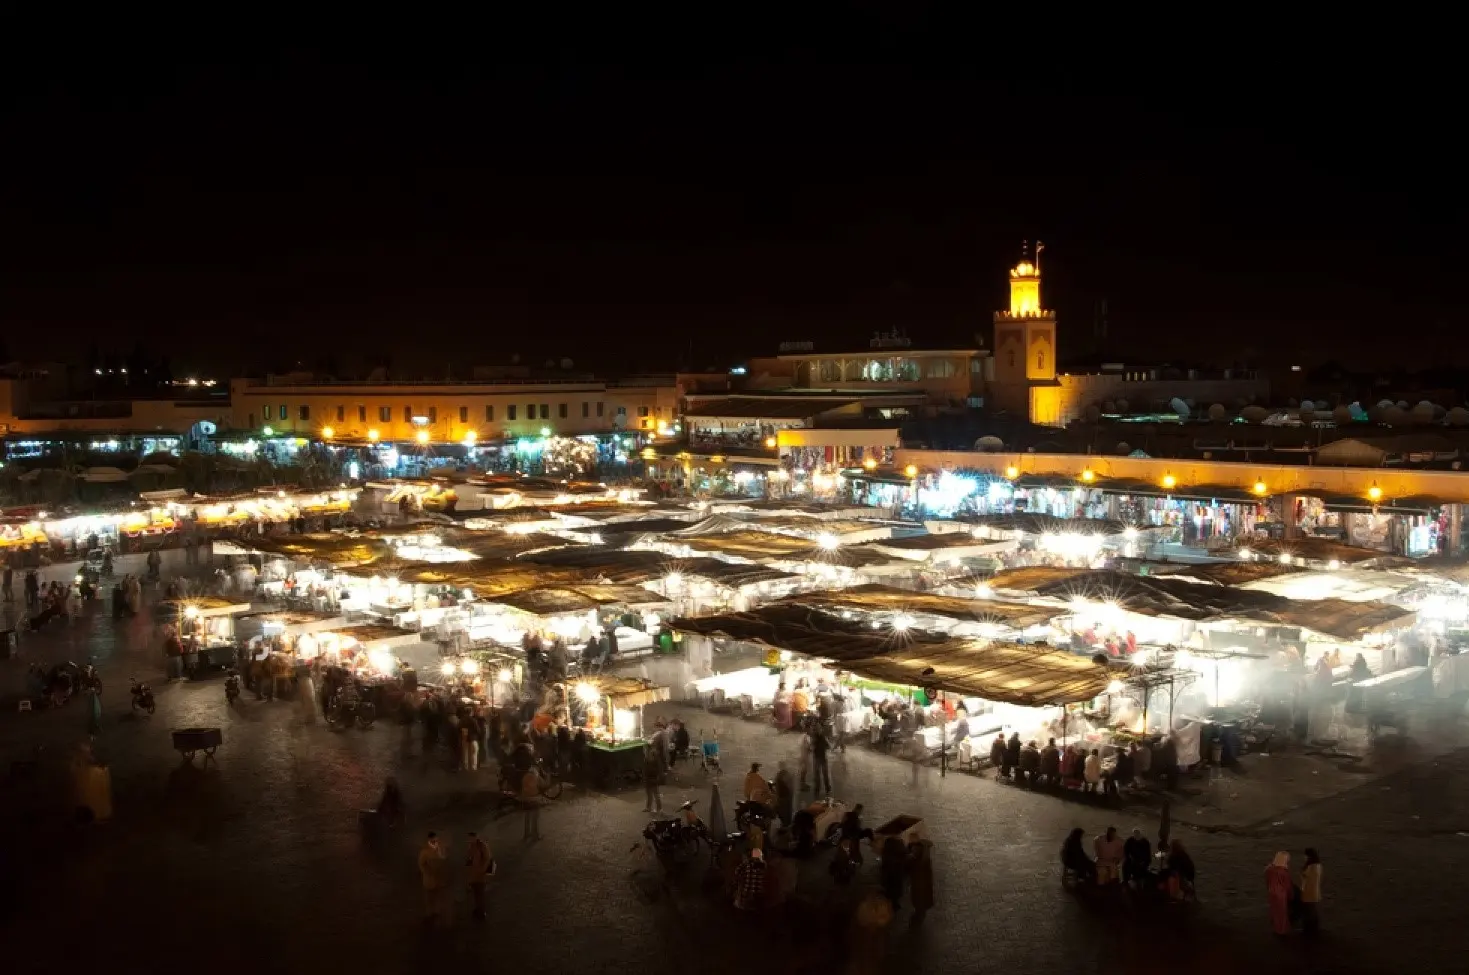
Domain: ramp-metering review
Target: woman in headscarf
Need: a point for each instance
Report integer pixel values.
(1278, 892)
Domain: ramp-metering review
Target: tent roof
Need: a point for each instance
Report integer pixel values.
(1221, 573)
(1036, 523)
(548, 601)
(1016, 673)
(769, 546)
(1031, 578)
(1321, 550)
(1161, 596)
(879, 598)
(629, 692)
(339, 550)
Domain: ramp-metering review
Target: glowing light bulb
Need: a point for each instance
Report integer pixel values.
(870, 464)
(421, 436)
(770, 443)
(1088, 475)
(1169, 482)
(1374, 493)
(327, 433)
(372, 435)
(1260, 487)
(911, 471)
(828, 541)
(1012, 472)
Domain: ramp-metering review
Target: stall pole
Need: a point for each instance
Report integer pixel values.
(943, 742)
(1147, 693)
(1171, 696)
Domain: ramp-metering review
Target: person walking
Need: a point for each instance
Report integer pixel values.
(652, 778)
(433, 871)
(1311, 893)
(805, 760)
(1278, 891)
(530, 799)
(820, 771)
(479, 866)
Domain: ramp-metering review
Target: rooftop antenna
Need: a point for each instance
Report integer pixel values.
(1038, 248)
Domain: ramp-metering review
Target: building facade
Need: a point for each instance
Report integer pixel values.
(448, 412)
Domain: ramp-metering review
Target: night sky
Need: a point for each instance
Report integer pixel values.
(445, 207)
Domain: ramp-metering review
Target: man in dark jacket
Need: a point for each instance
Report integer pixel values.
(1012, 752)
(1051, 764)
(1137, 854)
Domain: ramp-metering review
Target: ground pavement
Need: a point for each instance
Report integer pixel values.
(257, 863)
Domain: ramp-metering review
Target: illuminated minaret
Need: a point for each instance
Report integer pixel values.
(1025, 337)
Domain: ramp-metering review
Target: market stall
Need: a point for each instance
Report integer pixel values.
(610, 710)
(206, 625)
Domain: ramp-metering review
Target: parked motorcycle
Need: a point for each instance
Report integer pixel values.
(142, 696)
(90, 680)
(749, 813)
(678, 836)
(231, 687)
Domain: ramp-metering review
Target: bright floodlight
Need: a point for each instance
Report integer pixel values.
(674, 580)
(1116, 687)
(587, 693)
(505, 675)
(191, 611)
(828, 541)
(470, 667)
(902, 622)
(448, 668)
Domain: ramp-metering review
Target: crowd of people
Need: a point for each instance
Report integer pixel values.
(1082, 769)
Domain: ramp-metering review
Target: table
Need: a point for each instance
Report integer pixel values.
(609, 764)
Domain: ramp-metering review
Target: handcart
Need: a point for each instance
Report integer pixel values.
(187, 741)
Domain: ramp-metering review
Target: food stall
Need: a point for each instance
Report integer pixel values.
(209, 622)
(613, 709)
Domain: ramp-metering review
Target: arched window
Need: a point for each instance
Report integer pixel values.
(1040, 360)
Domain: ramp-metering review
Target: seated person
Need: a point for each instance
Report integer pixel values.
(757, 790)
(1074, 858)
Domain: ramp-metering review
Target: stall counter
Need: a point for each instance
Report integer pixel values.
(612, 763)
